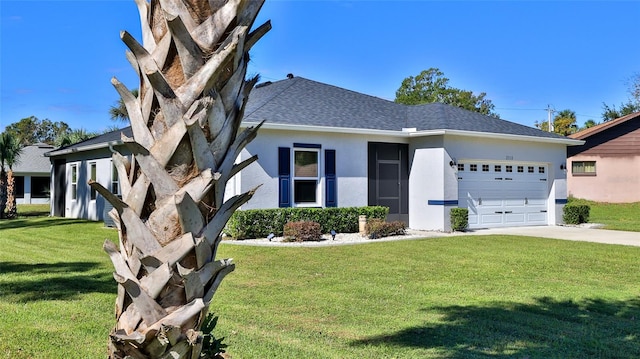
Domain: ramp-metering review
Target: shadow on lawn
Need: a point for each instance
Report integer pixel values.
(39, 222)
(21, 282)
(592, 328)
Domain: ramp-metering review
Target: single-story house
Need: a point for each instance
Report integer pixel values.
(32, 173)
(324, 146)
(606, 168)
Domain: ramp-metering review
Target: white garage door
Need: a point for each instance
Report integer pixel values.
(503, 194)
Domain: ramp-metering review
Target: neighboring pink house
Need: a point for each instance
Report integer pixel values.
(606, 168)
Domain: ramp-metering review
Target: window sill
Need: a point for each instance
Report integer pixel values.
(584, 174)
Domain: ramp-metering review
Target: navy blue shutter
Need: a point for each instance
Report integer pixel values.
(331, 192)
(284, 177)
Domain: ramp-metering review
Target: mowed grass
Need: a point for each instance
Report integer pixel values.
(450, 297)
(56, 289)
(616, 216)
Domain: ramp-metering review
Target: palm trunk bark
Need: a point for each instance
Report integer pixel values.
(12, 209)
(186, 138)
(3, 192)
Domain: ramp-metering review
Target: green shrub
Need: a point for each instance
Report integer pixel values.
(378, 228)
(576, 213)
(258, 223)
(459, 219)
(303, 231)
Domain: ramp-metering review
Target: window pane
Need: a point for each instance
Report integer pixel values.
(305, 164)
(305, 191)
(93, 178)
(388, 180)
(40, 187)
(583, 167)
(19, 186)
(93, 171)
(74, 174)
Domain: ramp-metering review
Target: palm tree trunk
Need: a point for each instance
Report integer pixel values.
(186, 138)
(12, 209)
(3, 192)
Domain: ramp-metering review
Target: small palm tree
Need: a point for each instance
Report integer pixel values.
(10, 150)
(118, 113)
(74, 136)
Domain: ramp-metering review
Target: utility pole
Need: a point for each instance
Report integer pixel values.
(549, 112)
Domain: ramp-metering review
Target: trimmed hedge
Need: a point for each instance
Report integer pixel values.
(258, 223)
(459, 219)
(575, 213)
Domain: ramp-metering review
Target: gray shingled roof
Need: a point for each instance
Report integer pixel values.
(32, 159)
(299, 101)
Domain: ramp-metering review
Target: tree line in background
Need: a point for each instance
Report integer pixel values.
(32, 130)
(432, 86)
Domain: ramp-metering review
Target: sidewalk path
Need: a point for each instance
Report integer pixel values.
(571, 233)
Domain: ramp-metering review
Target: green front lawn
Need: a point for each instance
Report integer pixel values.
(617, 216)
(453, 297)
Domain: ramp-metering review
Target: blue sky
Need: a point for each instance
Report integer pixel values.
(57, 57)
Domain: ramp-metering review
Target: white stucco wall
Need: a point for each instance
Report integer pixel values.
(83, 206)
(351, 165)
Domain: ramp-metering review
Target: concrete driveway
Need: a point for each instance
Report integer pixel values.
(571, 233)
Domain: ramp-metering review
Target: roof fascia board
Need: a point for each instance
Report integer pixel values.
(95, 146)
(274, 126)
(502, 136)
(307, 128)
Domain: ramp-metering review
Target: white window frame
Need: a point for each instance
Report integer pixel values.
(317, 179)
(93, 169)
(115, 180)
(74, 181)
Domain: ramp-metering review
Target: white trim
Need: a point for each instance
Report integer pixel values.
(409, 134)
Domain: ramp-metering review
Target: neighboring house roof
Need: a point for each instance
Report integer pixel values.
(619, 137)
(604, 126)
(299, 103)
(33, 160)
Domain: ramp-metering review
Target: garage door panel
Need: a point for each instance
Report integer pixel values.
(499, 198)
(538, 217)
(514, 218)
(488, 219)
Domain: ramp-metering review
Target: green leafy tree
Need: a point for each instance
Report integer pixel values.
(10, 150)
(626, 108)
(431, 86)
(564, 123)
(31, 130)
(589, 124)
(632, 104)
